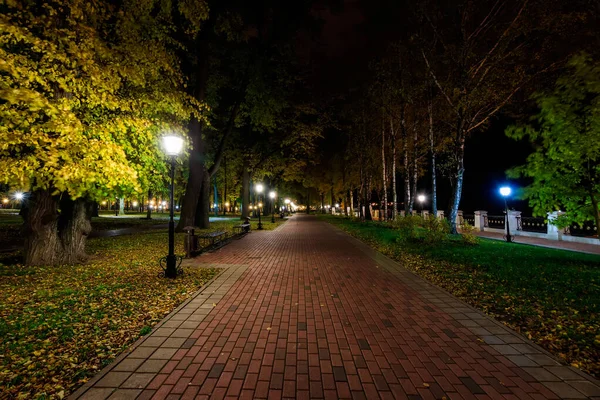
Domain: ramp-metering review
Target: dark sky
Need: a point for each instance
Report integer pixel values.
(350, 39)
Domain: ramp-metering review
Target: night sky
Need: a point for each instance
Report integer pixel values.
(353, 34)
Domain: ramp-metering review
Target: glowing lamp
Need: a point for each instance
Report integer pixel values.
(505, 191)
(172, 145)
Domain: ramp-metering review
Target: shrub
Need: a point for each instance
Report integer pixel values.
(436, 230)
(468, 234)
(407, 227)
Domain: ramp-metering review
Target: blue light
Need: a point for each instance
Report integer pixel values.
(505, 191)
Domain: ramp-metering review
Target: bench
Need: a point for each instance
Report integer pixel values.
(241, 228)
(213, 237)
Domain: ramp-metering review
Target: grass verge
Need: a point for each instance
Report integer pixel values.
(551, 296)
(60, 325)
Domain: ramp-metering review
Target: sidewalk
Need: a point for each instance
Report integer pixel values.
(306, 311)
(553, 244)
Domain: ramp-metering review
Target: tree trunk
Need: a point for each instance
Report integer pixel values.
(383, 173)
(224, 184)
(394, 190)
(457, 180)
(415, 170)
(368, 215)
(333, 200)
(245, 195)
(596, 212)
(308, 201)
(322, 203)
(149, 211)
(433, 173)
(53, 237)
(203, 208)
(187, 216)
(121, 206)
(407, 194)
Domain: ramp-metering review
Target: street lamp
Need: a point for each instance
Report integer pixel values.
(421, 198)
(287, 205)
(259, 189)
(272, 195)
(172, 146)
(505, 191)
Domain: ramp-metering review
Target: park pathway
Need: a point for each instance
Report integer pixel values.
(306, 311)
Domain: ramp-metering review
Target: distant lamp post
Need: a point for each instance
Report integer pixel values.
(505, 191)
(287, 205)
(272, 196)
(19, 196)
(226, 207)
(421, 198)
(172, 146)
(259, 188)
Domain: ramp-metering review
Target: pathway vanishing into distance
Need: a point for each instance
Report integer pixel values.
(306, 311)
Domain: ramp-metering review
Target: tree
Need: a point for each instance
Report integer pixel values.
(565, 166)
(478, 55)
(82, 102)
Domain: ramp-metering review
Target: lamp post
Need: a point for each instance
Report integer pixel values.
(505, 191)
(259, 189)
(172, 146)
(421, 198)
(272, 195)
(287, 206)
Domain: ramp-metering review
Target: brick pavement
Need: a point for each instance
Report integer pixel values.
(306, 311)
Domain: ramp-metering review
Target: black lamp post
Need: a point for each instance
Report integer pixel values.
(505, 191)
(272, 195)
(172, 145)
(259, 189)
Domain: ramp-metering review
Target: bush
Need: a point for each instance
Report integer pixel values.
(468, 234)
(407, 227)
(436, 230)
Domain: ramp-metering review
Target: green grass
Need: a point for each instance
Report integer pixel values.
(60, 325)
(552, 296)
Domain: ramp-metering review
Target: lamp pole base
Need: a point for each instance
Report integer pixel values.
(171, 270)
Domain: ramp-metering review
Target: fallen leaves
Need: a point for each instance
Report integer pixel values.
(59, 326)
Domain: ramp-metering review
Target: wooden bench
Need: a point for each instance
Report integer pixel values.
(212, 237)
(241, 228)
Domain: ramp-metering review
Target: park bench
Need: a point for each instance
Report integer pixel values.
(242, 228)
(211, 238)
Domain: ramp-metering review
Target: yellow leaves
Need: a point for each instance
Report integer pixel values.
(65, 323)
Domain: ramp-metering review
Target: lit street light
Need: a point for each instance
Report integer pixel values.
(505, 191)
(287, 205)
(172, 146)
(421, 198)
(259, 189)
(272, 195)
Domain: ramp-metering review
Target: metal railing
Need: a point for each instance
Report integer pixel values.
(496, 221)
(534, 224)
(582, 230)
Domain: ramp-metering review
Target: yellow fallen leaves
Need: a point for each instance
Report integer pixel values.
(59, 326)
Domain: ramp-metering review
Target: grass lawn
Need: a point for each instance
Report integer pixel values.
(551, 296)
(61, 325)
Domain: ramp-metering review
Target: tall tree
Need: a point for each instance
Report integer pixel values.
(86, 89)
(565, 166)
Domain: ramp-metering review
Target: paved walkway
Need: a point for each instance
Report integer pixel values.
(553, 244)
(306, 311)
